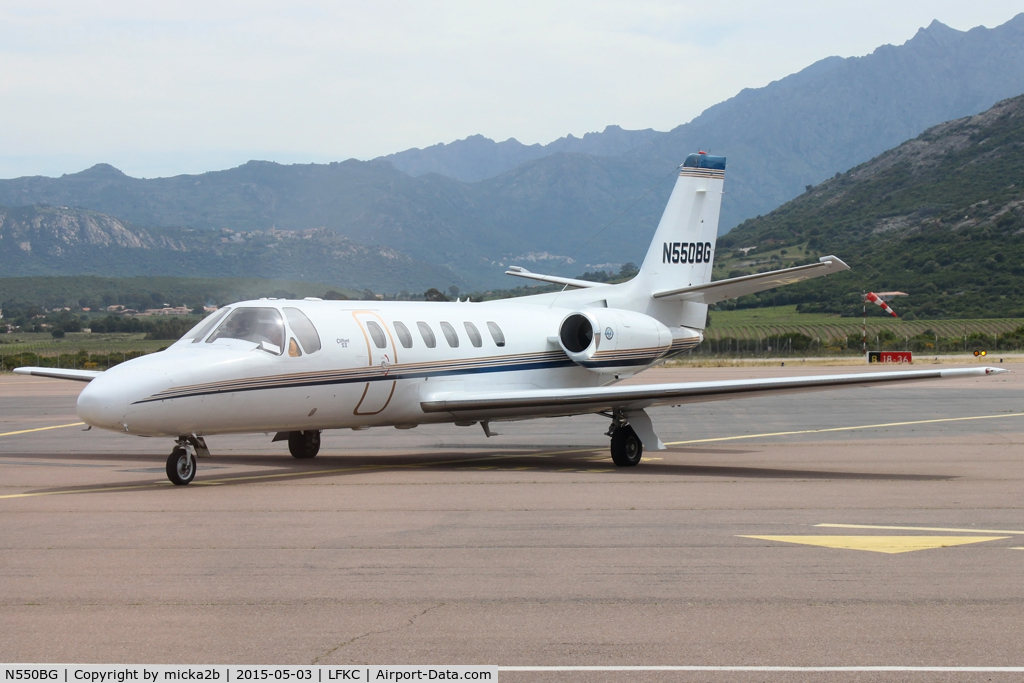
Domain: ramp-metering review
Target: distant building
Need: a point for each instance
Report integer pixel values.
(167, 310)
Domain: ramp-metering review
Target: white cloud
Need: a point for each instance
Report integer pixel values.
(162, 88)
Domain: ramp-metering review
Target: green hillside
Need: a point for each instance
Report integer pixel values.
(940, 217)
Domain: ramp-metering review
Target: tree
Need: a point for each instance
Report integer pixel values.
(434, 294)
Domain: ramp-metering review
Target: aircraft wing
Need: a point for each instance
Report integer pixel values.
(720, 290)
(555, 402)
(60, 373)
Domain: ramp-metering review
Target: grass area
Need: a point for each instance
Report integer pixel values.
(771, 316)
(761, 323)
(45, 345)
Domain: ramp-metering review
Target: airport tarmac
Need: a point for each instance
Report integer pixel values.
(438, 545)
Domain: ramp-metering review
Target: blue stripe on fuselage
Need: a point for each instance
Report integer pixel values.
(536, 365)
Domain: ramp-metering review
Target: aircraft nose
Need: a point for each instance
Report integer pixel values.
(102, 403)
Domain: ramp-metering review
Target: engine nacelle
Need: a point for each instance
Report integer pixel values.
(613, 341)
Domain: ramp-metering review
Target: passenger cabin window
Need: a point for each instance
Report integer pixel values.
(203, 328)
(474, 335)
(403, 334)
(377, 334)
(303, 329)
(427, 334)
(496, 334)
(258, 325)
(450, 334)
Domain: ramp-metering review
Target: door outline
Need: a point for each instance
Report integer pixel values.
(391, 351)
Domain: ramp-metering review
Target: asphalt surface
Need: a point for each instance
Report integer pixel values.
(438, 545)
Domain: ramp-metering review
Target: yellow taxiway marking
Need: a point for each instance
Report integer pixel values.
(881, 544)
(845, 429)
(42, 429)
(919, 528)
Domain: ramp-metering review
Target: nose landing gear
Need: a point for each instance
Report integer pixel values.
(181, 463)
(181, 466)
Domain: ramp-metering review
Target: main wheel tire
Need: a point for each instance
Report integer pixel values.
(181, 466)
(626, 447)
(304, 445)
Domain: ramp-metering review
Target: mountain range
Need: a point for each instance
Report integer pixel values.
(38, 240)
(940, 218)
(474, 206)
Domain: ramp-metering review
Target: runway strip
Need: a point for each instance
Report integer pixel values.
(548, 454)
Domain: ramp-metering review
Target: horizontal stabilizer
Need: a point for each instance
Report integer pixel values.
(713, 292)
(552, 402)
(554, 279)
(60, 373)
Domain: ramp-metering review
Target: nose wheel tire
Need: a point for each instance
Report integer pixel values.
(304, 445)
(626, 447)
(181, 466)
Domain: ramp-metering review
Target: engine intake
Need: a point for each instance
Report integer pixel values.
(610, 341)
(576, 334)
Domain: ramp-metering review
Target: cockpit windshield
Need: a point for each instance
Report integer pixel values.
(258, 325)
(197, 333)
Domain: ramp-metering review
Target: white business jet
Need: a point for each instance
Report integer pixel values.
(296, 368)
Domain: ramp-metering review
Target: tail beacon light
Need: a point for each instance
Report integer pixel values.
(612, 341)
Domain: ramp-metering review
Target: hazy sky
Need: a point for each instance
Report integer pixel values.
(184, 87)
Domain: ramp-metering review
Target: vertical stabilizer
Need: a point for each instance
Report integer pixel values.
(683, 249)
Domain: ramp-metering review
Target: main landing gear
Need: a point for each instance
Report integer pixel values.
(627, 449)
(304, 445)
(181, 463)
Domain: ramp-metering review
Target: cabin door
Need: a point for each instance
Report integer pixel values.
(380, 353)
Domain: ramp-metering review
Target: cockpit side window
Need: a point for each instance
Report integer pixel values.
(197, 333)
(303, 329)
(258, 325)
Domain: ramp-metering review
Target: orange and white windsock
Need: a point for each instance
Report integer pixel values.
(873, 298)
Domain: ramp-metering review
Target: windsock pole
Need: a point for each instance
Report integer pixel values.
(864, 325)
(873, 298)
